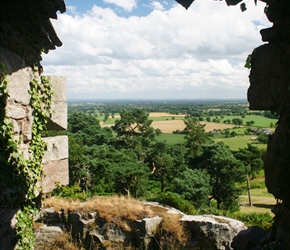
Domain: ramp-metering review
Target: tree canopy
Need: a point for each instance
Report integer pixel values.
(127, 159)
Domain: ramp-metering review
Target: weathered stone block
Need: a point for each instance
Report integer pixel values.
(58, 120)
(55, 162)
(57, 148)
(145, 231)
(45, 236)
(18, 86)
(15, 111)
(55, 171)
(58, 87)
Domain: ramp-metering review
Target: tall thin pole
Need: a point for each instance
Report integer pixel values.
(249, 191)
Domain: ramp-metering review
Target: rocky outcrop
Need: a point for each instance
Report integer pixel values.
(212, 232)
(203, 232)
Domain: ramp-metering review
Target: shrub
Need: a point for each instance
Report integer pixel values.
(258, 184)
(176, 201)
(74, 192)
(263, 220)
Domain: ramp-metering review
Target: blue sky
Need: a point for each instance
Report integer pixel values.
(128, 8)
(120, 49)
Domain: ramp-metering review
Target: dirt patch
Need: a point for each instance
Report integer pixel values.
(209, 126)
(170, 125)
(160, 114)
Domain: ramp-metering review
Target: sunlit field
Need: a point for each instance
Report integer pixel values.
(260, 121)
(240, 142)
(171, 139)
(168, 123)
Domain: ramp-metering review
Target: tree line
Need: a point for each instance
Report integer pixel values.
(127, 159)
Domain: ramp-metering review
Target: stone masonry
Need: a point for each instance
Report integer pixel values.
(55, 161)
(18, 109)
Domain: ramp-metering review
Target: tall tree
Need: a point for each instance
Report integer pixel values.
(225, 171)
(116, 171)
(133, 127)
(193, 185)
(195, 136)
(161, 164)
(251, 156)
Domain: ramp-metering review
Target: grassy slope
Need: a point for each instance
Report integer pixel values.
(260, 121)
(261, 199)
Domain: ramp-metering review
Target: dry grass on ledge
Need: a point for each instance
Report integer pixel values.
(121, 210)
(108, 207)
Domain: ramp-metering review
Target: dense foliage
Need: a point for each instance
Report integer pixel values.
(127, 159)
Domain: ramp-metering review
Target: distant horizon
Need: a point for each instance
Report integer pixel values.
(156, 100)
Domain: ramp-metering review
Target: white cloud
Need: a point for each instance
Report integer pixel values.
(128, 5)
(157, 5)
(178, 53)
(71, 9)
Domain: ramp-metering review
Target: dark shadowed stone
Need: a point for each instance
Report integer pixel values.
(7, 228)
(269, 78)
(249, 238)
(277, 162)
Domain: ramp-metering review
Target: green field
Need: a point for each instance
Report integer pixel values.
(239, 142)
(110, 120)
(157, 118)
(234, 142)
(260, 121)
(171, 139)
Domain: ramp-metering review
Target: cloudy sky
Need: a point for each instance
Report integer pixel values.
(147, 49)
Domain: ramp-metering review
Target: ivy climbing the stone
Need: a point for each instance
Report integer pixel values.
(20, 175)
